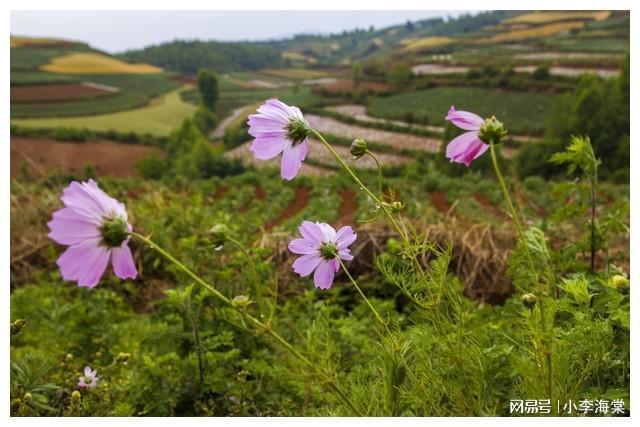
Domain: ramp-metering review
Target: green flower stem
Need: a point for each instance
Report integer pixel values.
(378, 201)
(364, 188)
(254, 275)
(260, 326)
(379, 168)
(547, 329)
(396, 345)
(505, 192)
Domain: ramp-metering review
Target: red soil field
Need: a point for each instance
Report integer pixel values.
(55, 92)
(300, 201)
(348, 208)
(42, 156)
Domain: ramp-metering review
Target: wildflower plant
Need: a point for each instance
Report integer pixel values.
(441, 355)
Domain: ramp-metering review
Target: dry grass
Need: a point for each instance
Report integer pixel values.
(426, 43)
(555, 16)
(532, 32)
(19, 41)
(95, 63)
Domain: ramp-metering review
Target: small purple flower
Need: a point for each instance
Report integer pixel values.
(95, 228)
(320, 247)
(467, 147)
(279, 128)
(89, 379)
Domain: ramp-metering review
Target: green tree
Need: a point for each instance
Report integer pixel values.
(208, 87)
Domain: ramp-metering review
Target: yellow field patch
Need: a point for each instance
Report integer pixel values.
(95, 63)
(19, 41)
(553, 16)
(426, 42)
(527, 33)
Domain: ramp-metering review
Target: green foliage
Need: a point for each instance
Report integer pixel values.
(524, 112)
(208, 87)
(188, 57)
(205, 120)
(190, 155)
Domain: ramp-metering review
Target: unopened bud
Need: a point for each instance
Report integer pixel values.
(529, 300)
(123, 357)
(75, 396)
(358, 148)
(240, 301)
(492, 131)
(27, 397)
(396, 206)
(218, 235)
(69, 357)
(17, 326)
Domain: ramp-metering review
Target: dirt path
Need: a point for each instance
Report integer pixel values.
(300, 201)
(43, 156)
(218, 132)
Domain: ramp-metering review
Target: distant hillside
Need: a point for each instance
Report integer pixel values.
(188, 57)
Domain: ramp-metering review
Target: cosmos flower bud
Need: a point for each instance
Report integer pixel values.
(492, 131)
(17, 326)
(240, 301)
(620, 283)
(396, 206)
(123, 358)
(69, 357)
(27, 397)
(218, 235)
(358, 148)
(529, 300)
(75, 396)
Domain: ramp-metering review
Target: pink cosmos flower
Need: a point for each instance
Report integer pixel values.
(95, 228)
(279, 128)
(468, 146)
(320, 247)
(89, 379)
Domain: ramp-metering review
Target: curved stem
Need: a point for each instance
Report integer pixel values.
(379, 167)
(260, 326)
(363, 187)
(512, 209)
(254, 274)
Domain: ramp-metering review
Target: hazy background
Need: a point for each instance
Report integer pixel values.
(116, 31)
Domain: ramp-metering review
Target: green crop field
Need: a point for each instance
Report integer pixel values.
(523, 112)
(134, 90)
(159, 118)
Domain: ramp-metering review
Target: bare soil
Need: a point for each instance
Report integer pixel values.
(56, 92)
(42, 156)
(300, 201)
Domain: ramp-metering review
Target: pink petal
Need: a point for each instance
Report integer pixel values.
(87, 371)
(306, 264)
(323, 277)
(328, 231)
(345, 237)
(302, 247)
(312, 232)
(345, 254)
(122, 261)
(265, 148)
(464, 119)
(84, 262)
(69, 227)
(292, 158)
(465, 148)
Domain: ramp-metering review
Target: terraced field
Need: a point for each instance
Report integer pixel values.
(160, 117)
